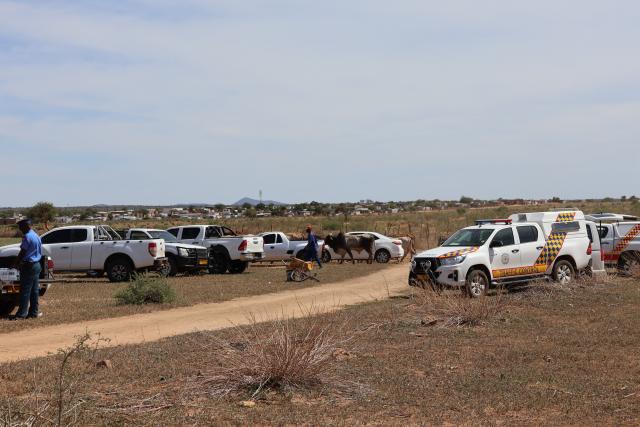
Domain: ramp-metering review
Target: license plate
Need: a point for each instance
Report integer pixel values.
(203, 262)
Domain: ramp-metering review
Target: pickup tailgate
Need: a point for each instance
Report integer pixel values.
(255, 244)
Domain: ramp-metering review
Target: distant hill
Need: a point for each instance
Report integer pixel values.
(254, 202)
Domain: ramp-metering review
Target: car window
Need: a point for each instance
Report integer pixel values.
(565, 227)
(57, 236)
(212, 232)
(279, 239)
(527, 233)
(138, 235)
(190, 233)
(603, 232)
(173, 231)
(505, 236)
(227, 231)
(469, 237)
(269, 239)
(79, 235)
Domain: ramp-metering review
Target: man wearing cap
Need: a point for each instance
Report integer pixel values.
(311, 250)
(28, 262)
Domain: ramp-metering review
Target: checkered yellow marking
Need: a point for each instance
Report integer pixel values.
(460, 252)
(566, 217)
(624, 242)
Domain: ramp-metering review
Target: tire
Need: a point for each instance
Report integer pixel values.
(629, 263)
(219, 263)
(477, 284)
(326, 257)
(300, 255)
(6, 307)
(170, 268)
(563, 272)
(238, 267)
(119, 270)
(382, 256)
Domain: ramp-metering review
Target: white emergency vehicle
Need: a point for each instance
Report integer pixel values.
(620, 238)
(503, 251)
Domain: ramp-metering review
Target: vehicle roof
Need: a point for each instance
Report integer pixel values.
(549, 216)
(367, 232)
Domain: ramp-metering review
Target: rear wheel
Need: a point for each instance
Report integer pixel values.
(382, 256)
(238, 267)
(119, 270)
(326, 256)
(629, 263)
(300, 255)
(563, 272)
(476, 284)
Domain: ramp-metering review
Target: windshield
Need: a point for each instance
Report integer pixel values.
(161, 234)
(469, 237)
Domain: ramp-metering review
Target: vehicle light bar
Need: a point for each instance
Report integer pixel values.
(493, 221)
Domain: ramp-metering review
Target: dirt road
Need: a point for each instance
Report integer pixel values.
(141, 328)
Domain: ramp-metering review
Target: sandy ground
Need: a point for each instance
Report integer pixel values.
(154, 326)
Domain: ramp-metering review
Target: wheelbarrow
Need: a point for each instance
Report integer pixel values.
(299, 270)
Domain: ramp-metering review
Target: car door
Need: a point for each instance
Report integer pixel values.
(80, 249)
(270, 247)
(190, 235)
(58, 244)
(531, 244)
(504, 254)
(607, 239)
(597, 258)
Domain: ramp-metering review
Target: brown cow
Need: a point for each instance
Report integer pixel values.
(408, 245)
(343, 244)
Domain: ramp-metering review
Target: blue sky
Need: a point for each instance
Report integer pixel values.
(163, 101)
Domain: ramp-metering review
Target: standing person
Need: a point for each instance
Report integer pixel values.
(28, 262)
(311, 250)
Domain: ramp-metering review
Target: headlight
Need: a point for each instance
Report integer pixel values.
(183, 252)
(453, 260)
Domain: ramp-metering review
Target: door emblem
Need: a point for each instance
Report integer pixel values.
(505, 258)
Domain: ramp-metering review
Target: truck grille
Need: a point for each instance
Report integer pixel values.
(202, 253)
(421, 265)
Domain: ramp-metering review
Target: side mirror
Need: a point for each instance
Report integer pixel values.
(496, 244)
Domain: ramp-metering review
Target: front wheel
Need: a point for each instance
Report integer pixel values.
(563, 272)
(476, 284)
(170, 268)
(219, 264)
(382, 256)
(238, 267)
(6, 307)
(326, 256)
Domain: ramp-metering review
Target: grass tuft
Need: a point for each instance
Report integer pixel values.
(284, 354)
(146, 289)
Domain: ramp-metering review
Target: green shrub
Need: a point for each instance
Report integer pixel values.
(146, 289)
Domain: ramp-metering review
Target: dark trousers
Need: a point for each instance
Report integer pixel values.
(29, 290)
(311, 254)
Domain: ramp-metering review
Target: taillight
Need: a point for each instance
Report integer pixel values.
(243, 246)
(397, 242)
(589, 249)
(601, 255)
(153, 248)
(50, 264)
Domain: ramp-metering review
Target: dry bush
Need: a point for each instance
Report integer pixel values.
(451, 308)
(281, 354)
(60, 402)
(145, 288)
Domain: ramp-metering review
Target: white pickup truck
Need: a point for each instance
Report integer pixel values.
(517, 249)
(620, 239)
(98, 248)
(277, 246)
(227, 250)
(182, 257)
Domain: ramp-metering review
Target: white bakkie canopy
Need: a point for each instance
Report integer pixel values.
(546, 219)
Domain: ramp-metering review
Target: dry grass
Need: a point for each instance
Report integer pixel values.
(452, 308)
(82, 298)
(569, 359)
(61, 400)
(282, 354)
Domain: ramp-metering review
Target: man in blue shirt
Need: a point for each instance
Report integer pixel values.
(311, 250)
(28, 262)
